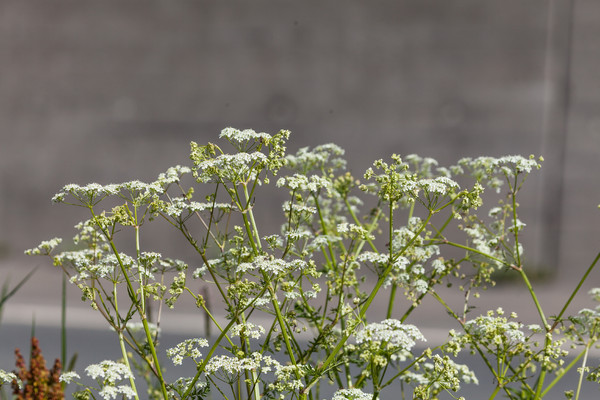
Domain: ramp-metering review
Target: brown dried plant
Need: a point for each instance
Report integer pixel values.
(39, 383)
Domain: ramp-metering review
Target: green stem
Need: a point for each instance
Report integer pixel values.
(538, 306)
(365, 307)
(391, 241)
(63, 322)
(562, 374)
(516, 227)
(122, 342)
(282, 324)
(583, 364)
(200, 368)
(251, 214)
(357, 222)
(136, 303)
(495, 392)
(583, 279)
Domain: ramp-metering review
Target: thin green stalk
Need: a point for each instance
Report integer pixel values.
(583, 364)
(251, 214)
(357, 222)
(538, 306)
(391, 300)
(473, 250)
(455, 316)
(122, 341)
(280, 320)
(391, 245)
(253, 387)
(583, 279)
(202, 304)
(365, 306)
(200, 368)
(63, 321)
(495, 392)
(135, 301)
(324, 227)
(562, 374)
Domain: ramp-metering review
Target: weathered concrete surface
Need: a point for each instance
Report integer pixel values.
(109, 91)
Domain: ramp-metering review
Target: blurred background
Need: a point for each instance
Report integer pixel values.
(109, 91)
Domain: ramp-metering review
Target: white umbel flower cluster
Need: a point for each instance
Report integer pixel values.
(351, 394)
(186, 349)
(391, 331)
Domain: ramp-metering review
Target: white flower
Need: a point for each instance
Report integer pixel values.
(45, 247)
(437, 186)
(109, 371)
(273, 266)
(301, 182)
(391, 331)
(317, 158)
(235, 366)
(9, 377)
(67, 377)
(231, 167)
(518, 163)
(438, 265)
(595, 293)
(236, 135)
(172, 175)
(111, 392)
(421, 286)
(185, 349)
(247, 330)
(351, 394)
(372, 257)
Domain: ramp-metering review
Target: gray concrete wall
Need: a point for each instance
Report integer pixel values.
(109, 91)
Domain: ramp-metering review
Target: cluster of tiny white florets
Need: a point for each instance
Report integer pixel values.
(586, 323)
(271, 265)
(107, 373)
(68, 377)
(487, 169)
(172, 175)
(182, 384)
(9, 377)
(496, 329)
(595, 294)
(439, 186)
(322, 240)
(294, 235)
(92, 193)
(288, 206)
(444, 374)
(181, 206)
(243, 136)
(233, 366)
(353, 231)
(483, 241)
(312, 184)
(288, 378)
(44, 248)
(351, 394)
(186, 349)
(516, 164)
(323, 157)
(422, 165)
(231, 167)
(247, 330)
(392, 332)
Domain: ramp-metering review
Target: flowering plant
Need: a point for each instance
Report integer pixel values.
(297, 303)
